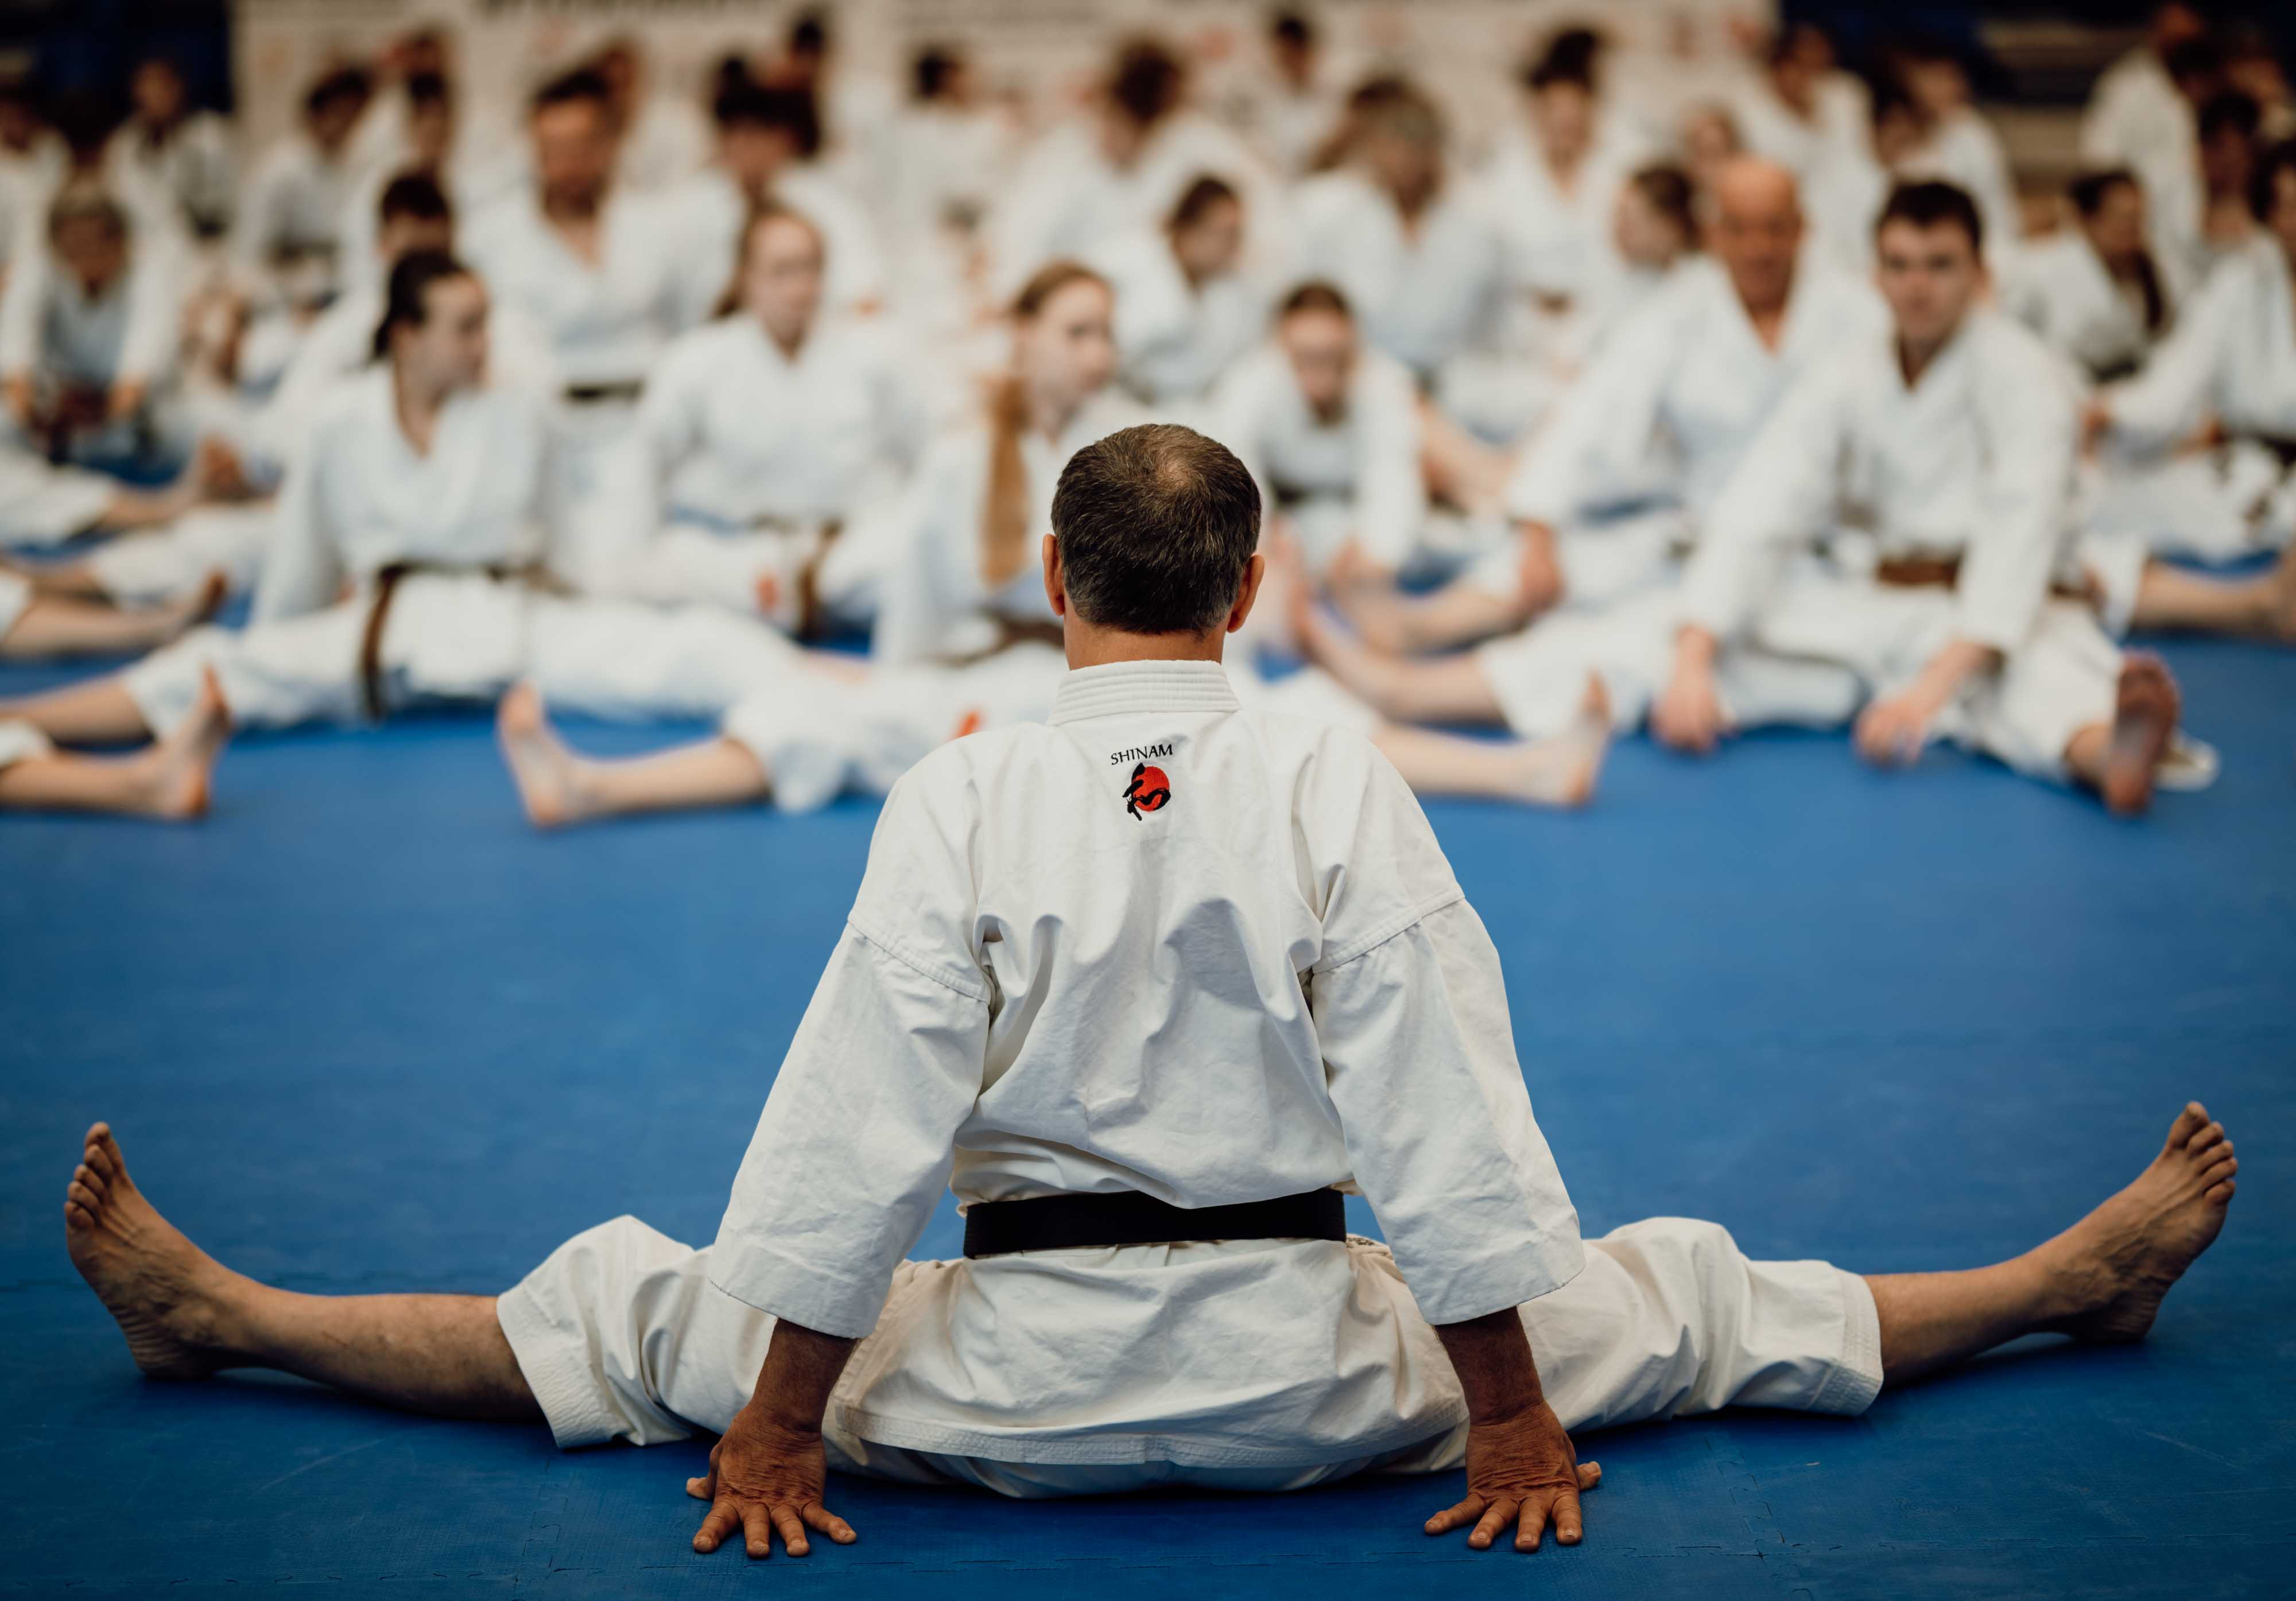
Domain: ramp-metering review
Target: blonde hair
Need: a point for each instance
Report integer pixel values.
(1004, 509)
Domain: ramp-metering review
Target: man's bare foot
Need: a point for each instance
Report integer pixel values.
(163, 1290)
(175, 774)
(1563, 771)
(2144, 721)
(2118, 1263)
(549, 776)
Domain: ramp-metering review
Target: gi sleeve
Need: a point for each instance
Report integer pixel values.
(154, 313)
(2027, 416)
(2165, 402)
(302, 571)
(1411, 1014)
(22, 305)
(857, 1138)
(1603, 426)
(1781, 494)
(1390, 492)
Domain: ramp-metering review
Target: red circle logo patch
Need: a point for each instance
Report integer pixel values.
(1148, 791)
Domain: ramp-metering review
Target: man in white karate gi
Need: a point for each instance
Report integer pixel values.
(1149, 985)
(1904, 515)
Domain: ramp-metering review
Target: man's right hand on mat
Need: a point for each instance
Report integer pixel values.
(765, 1479)
(1520, 1470)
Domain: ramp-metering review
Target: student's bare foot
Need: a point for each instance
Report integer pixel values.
(176, 775)
(548, 775)
(2144, 721)
(161, 1288)
(1563, 771)
(2118, 1263)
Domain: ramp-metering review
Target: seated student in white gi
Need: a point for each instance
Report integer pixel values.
(287, 238)
(437, 146)
(764, 138)
(1500, 394)
(1088, 181)
(595, 268)
(168, 150)
(170, 564)
(1148, 986)
(1554, 184)
(2092, 290)
(168, 780)
(420, 498)
(2230, 363)
(1185, 310)
(774, 443)
(1298, 101)
(1330, 429)
(1786, 118)
(1606, 498)
(87, 338)
(660, 139)
(1954, 438)
(1423, 260)
(959, 581)
(947, 151)
(1959, 146)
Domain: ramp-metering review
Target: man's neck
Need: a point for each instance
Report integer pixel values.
(417, 406)
(1091, 647)
(1914, 356)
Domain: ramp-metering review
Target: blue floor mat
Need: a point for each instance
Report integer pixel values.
(364, 1031)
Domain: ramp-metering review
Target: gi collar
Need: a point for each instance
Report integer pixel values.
(1142, 686)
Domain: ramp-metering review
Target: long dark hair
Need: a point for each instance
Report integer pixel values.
(405, 300)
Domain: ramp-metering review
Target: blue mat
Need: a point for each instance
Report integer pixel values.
(365, 1032)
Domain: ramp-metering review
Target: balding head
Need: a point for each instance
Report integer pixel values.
(1758, 229)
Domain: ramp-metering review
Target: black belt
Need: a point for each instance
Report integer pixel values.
(626, 389)
(1074, 1222)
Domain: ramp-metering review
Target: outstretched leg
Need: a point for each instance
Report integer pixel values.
(1558, 771)
(558, 787)
(187, 1315)
(169, 780)
(2265, 606)
(1449, 689)
(2101, 1281)
(53, 626)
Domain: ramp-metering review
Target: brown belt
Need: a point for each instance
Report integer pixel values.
(809, 616)
(1012, 632)
(387, 580)
(1944, 571)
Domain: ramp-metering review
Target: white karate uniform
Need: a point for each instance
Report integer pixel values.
(43, 505)
(666, 143)
(52, 333)
(2137, 119)
(607, 322)
(361, 498)
(1066, 199)
(1560, 241)
(709, 208)
(2060, 289)
(2232, 354)
(189, 168)
(829, 734)
(1652, 433)
(1422, 297)
(944, 163)
(1355, 478)
(747, 455)
(1777, 131)
(1965, 150)
(1974, 461)
(21, 741)
(1173, 338)
(1269, 985)
(935, 605)
(293, 206)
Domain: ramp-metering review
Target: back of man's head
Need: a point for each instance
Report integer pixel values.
(1157, 526)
